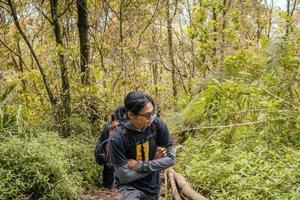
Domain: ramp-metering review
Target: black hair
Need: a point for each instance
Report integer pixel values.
(135, 101)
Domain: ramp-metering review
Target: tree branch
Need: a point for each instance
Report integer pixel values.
(49, 20)
(232, 125)
(146, 27)
(46, 85)
(106, 2)
(66, 9)
(273, 95)
(19, 56)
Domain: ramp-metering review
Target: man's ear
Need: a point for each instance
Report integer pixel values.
(130, 115)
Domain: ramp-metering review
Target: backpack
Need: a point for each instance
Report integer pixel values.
(102, 148)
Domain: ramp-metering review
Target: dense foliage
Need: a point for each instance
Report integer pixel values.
(45, 167)
(242, 134)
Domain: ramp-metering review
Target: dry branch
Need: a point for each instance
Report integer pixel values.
(174, 190)
(166, 181)
(233, 125)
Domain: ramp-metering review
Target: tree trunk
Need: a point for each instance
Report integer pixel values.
(224, 22)
(20, 64)
(270, 18)
(290, 8)
(171, 52)
(258, 31)
(83, 27)
(214, 49)
(287, 27)
(155, 67)
(65, 93)
(122, 61)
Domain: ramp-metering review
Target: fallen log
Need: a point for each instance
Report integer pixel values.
(175, 194)
(185, 188)
(166, 181)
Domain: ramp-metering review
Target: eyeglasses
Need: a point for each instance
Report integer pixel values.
(148, 115)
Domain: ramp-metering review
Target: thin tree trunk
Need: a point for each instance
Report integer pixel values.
(171, 52)
(290, 12)
(287, 27)
(155, 65)
(122, 61)
(270, 18)
(191, 66)
(20, 64)
(224, 22)
(214, 49)
(258, 31)
(83, 27)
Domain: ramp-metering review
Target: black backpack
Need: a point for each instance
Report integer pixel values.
(102, 149)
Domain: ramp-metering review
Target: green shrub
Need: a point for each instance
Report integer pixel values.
(83, 161)
(45, 167)
(241, 143)
(244, 170)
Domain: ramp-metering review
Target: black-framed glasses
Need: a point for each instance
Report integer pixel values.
(148, 115)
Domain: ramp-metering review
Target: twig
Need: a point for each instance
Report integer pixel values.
(66, 9)
(108, 5)
(210, 137)
(288, 103)
(232, 125)
(258, 110)
(166, 181)
(42, 12)
(18, 55)
(147, 25)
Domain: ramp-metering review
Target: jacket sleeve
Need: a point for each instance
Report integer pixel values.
(162, 163)
(126, 175)
(163, 140)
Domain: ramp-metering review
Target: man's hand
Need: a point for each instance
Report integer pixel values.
(133, 164)
(160, 152)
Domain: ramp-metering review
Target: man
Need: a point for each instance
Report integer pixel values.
(140, 147)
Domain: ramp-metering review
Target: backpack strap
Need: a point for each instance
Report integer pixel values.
(113, 125)
(154, 129)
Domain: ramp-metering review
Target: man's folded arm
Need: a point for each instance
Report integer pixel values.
(127, 175)
(161, 163)
(120, 163)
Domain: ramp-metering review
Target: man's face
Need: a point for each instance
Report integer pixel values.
(144, 117)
